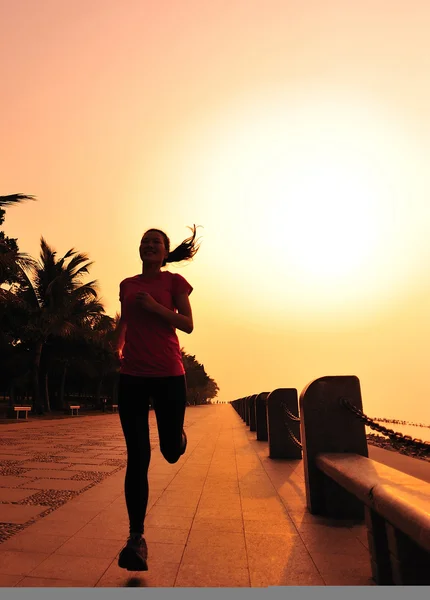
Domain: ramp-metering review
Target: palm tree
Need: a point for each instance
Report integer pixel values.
(15, 364)
(57, 303)
(90, 353)
(11, 260)
(103, 356)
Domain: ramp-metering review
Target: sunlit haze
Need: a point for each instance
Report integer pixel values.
(295, 133)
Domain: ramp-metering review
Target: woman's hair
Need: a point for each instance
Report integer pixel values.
(185, 251)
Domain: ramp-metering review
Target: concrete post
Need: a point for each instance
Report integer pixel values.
(252, 400)
(261, 416)
(378, 548)
(328, 426)
(280, 443)
(242, 408)
(409, 562)
(247, 409)
(236, 404)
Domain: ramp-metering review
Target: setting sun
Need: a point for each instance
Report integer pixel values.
(307, 192)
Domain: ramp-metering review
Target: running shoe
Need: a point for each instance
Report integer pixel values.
(134, 555)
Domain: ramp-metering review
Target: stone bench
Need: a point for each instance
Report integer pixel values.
(397, 514)
(359, 475)
(24, 409)
(113, 407)
(74, 408)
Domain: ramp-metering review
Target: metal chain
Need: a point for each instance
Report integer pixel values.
(393, 435)
(293, 438)
(290, 414)
(292, 417)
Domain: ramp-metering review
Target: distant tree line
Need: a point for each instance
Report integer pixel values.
(55, 337)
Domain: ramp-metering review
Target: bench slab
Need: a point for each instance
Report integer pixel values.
(359, 474)
(407, 509)
(402, 500)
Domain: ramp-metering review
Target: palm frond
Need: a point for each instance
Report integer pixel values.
(69, 253)
(25, 261)
(56, 291)
(47, 254)
(87, 290)
(75, 266)
(28, 292)
(61, 262)
(12, 262)
(15, 199)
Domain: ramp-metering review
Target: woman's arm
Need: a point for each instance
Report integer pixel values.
(119, 336)
(183, 319)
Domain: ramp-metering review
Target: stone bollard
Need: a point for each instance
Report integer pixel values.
(237, 405)
(261, 416)
(247, 407)
(328, 426)
(281, 444)
(252, 400)
(243, 408)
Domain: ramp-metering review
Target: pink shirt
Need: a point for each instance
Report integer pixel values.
(151, 346)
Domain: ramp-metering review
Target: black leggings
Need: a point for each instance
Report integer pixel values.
(168, 397)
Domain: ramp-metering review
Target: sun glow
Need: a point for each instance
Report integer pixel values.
(308, 196)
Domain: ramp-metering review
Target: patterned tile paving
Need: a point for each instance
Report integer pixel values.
(53, 442)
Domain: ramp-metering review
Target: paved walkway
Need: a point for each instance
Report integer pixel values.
(224, 516)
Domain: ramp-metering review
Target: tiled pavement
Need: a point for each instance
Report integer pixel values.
(224, 516)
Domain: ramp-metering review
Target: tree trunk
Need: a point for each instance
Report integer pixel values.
(37, 407)
(11, 395)
(99, 391)
(47, 402)
(63, 385)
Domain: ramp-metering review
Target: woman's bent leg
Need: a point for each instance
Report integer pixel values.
(133, 407)
(170, 396)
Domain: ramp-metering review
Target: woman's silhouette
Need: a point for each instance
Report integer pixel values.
(153, 305)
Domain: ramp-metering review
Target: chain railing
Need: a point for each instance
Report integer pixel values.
(291, 417)
(394, 436)
(293, 438)
(290, 414)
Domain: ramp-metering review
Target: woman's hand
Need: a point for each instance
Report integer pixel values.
(147, 302)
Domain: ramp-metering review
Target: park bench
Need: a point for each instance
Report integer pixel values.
(397, 514)
(75, 409)
(113, 407)
(20, 409)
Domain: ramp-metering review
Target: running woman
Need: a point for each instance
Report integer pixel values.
(153, 305)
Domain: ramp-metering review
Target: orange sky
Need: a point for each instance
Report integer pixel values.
(295, 132)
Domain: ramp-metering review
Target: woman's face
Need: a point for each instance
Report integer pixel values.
(152, 248)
